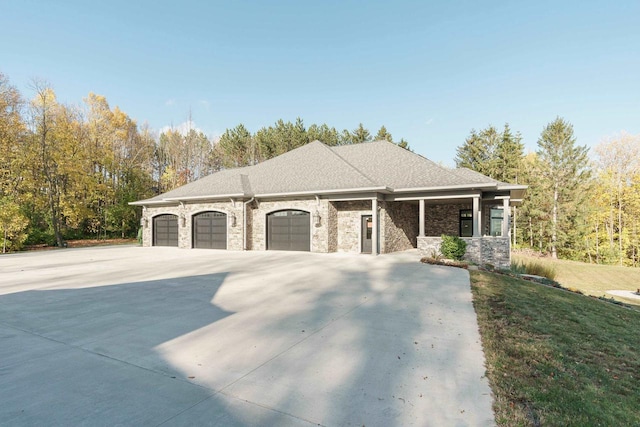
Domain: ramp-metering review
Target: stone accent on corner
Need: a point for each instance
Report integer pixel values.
(429, 246)
(332, 221)
(496, 251)
(480, 250)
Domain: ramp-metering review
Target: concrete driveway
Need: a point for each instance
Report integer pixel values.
(163, 336)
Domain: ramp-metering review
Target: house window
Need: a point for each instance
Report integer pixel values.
(497, 216)
(466, 223)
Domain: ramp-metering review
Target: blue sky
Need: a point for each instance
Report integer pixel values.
(429, 71)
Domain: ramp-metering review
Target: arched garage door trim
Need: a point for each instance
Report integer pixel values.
(289, 230)
(165, 230)
(209, 230)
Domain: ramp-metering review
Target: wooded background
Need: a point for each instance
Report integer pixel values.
(69, 172)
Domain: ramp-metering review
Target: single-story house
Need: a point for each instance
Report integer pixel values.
(373, 197)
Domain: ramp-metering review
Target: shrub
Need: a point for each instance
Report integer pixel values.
(453, 247)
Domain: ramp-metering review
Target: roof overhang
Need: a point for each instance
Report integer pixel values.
(516, 193)
(480, 186)
(171, 200)
(326, 192)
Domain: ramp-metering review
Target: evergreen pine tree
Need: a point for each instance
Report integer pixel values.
(564, 174)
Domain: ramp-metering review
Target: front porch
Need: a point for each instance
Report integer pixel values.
(482, 220)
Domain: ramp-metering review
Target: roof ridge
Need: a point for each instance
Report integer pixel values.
(331, 149)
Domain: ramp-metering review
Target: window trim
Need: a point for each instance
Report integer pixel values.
(465, 215)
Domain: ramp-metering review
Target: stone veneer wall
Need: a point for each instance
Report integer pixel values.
(234, 234)
(349, 221)
(480, 250)
(443, 219)
(399, 223)
(332, 222)
(258, 217)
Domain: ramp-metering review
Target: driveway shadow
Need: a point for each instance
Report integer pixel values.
(293, 340)
(389, 346)
(90, 355)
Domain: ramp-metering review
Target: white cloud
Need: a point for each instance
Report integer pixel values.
(206, 104)
(430, 121)
(169, 102)
(182, 128)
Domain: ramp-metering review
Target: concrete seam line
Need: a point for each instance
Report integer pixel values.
(294, 345)
(40, 336)
(186, 409)
(85, 350)
(139, 328)
(271, 409)
(242, 400)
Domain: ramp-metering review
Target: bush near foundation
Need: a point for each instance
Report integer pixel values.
(453, 247)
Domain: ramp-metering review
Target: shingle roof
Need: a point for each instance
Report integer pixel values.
(317, 168)
(473, 175)
(397, 168)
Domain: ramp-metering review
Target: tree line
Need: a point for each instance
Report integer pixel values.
(576, 207)
(70, 171)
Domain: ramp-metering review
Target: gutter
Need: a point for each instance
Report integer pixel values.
(170, 200)
(446, 187)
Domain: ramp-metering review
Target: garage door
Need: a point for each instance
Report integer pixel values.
(210, 230)
(165, 230)
(289, 231)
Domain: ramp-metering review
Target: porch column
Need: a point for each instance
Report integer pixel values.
(506, 215)
(477, 220)
(374, 230)
(421, 228)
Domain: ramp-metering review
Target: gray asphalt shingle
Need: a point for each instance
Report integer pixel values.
(316, 167)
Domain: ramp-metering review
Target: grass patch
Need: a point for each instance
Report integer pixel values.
(556, 358)
(591, 279)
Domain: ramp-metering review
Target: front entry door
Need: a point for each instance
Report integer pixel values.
(367, 231)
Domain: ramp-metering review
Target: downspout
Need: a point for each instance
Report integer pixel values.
(244, 223)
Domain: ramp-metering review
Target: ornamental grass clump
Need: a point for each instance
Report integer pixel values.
(535, 268)
(453, 247)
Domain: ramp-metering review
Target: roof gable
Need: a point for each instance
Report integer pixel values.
(315, 168)
(312, 167)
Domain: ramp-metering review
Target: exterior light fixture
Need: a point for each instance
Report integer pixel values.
(232, 220)
(144, 222)
(317, 218)
(183, 220)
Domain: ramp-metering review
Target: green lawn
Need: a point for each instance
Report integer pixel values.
(591, 279)
(556, 358)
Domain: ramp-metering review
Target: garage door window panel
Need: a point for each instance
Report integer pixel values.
(210, 230)
(165, 230)
(289, 230)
